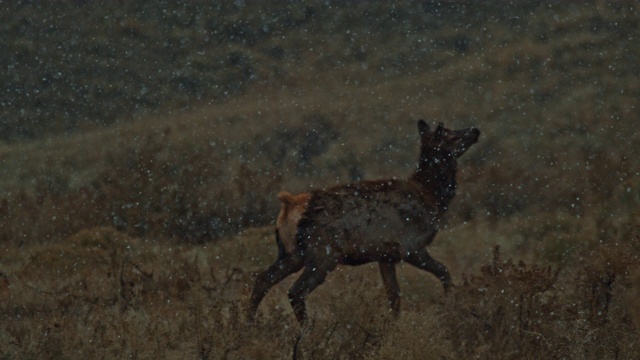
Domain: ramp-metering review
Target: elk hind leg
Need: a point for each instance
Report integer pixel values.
(388, 272)
(311, 278)
(283, 267)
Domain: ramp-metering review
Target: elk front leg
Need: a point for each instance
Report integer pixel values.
(422, 260)
(311, 278)
(282, 268)
(388, 272)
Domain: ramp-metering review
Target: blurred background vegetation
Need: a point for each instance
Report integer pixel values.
(72, 65)
(195, 103)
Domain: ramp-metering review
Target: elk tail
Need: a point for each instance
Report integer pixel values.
(286, 198)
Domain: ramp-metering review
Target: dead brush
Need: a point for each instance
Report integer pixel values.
(503, 310)
(606, 271)
(154, 189)
(599, 306)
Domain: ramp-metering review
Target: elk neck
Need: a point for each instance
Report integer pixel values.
(437, 176)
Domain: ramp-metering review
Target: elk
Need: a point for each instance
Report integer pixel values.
(386, 221)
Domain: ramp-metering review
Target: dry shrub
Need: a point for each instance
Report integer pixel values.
(154, 190)
(167, 192)
(85, 267)
(502, 312)
(609, 269)
(524, 311)
(602, 300)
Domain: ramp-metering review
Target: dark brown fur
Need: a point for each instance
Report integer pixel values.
(384, 221)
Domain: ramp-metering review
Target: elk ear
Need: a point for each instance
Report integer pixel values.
(423, 127)
(439, 131)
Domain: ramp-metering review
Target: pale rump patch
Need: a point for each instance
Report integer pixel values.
(293, 208)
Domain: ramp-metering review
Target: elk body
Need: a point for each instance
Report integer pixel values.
(386, 221)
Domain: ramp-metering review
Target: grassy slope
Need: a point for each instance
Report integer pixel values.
(552, 181)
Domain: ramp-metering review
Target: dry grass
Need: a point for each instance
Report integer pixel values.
(121, 241)
(104, 294)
